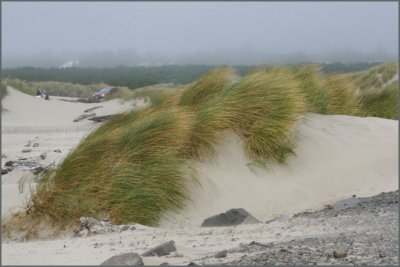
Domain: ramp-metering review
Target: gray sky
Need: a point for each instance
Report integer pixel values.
(175, 28)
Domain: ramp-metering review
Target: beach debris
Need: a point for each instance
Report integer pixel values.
(57, 150)
(84, 116)
(127, 259)
(26, 150)
(43, 155)
(36, 168)
(93, 108)
(231, 217)
(161, 250)
(340, 253)
(100, 118)
(90, 226)
(221, 254)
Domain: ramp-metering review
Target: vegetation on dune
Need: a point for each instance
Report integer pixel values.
(381, 103)
(136, 166)
(342, 96)
(313, 87)
(377, 77)
(55, 88)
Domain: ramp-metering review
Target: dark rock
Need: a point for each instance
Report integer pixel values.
(4, 171)
(100, 118)
(57, 150)
(91, 109)
(35, 144)
(43, 155)
(161, 250)
(38, 170)
(26, 150)
(231, 217)
(9, 163)
(221, 254)
(84, 116)
(340, 253)
(192, 264)
(127, 259)
(164, 263)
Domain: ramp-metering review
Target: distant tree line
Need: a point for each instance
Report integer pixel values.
(136, 77)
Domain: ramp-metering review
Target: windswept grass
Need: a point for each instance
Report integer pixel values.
(381, 103)
(136, 166)
(342, 96)
(377, 77)
(312, 86)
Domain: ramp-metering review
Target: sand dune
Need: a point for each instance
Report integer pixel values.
(336, 157)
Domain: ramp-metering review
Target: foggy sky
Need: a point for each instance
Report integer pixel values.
(173, 28)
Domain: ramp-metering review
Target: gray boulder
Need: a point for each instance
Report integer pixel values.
(229, 218)
(161, 250)
(127, 259)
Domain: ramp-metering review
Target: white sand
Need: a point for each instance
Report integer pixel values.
(336, 157)
(49, 123)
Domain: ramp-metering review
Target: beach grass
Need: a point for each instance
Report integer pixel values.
(136, 167)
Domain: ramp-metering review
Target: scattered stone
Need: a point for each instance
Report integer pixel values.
(38, 170)
(100, 118)
(229, 218)
(90, 226)
(192, 264)
(35, 144)
(340, 253)
(127, 259)
(221, 254)
(123, 228)
(57, 150)
(161, 250)
(9, 163)
(26, 150)
(84, 116)
(3, 171)
(91, 109)
(164, 263)
(43, 155)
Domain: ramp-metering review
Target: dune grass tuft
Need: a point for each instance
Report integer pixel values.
(381, 103)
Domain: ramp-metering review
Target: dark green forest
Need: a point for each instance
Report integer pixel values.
(136, 77)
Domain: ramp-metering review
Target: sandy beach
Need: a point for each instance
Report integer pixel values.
(336, 157)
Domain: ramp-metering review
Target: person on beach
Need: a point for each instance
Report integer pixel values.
(46, 96)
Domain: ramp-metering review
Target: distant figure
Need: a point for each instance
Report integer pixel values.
(46, 96)
(38, 93)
